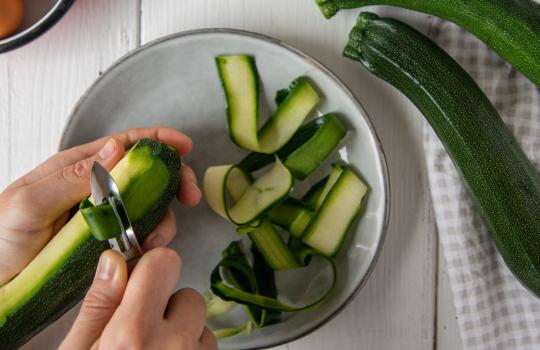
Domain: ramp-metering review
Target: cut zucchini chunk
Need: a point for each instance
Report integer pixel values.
(263, 194)
(310, 145)
(240, 82)
(328, 229)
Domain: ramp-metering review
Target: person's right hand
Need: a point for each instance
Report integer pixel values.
(140, 313)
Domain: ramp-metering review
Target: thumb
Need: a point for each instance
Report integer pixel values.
(100, 302)
(57, 193)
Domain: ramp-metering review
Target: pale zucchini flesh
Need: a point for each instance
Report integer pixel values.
(239, 78)
(267, 191)
(341, 206)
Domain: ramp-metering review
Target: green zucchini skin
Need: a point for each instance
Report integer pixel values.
(69, 284)
(510, 27)
(502, 182)
(310, 145)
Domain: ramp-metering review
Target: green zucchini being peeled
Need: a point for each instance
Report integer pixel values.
(510, 27)
(502, 182)
(58, 277)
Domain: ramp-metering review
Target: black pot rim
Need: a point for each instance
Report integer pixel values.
(38, 28)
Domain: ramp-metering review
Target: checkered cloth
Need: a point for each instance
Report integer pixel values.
(493, 310)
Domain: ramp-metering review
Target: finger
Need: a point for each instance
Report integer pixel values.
(187, 310)
(208, 340)
(163, 234)
(60, 191)
(150, 286)
(100, 302)
(172, 137)
(188, 192)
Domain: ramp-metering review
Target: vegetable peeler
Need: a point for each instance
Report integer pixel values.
(105, 190)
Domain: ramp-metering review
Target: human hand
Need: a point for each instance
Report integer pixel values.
(140, 313)
(36, 206)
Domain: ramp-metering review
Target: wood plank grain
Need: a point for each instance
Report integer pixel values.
(396, 309)
(41, 82)
(50, 74)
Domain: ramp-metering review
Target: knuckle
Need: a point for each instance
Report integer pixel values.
(74, 172)
(17, 197)
(96, 305)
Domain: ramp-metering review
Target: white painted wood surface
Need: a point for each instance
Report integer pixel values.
(406, 304)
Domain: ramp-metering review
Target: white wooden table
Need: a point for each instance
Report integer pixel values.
(406, 304)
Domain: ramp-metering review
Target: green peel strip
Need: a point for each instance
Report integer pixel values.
(227, 291)
(101, 219)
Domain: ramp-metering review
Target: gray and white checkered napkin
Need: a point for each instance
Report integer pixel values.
(494, 311)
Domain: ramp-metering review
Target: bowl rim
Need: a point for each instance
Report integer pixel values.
(50, 18)
(310, 60)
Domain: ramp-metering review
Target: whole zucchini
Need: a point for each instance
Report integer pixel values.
(58, 277)
(503, 183)
(510, 27)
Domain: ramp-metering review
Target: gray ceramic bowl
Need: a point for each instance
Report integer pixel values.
(173, 82)
(39, 16)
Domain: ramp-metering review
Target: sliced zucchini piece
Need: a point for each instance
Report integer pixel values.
(275, 251)
(310, 145)
(215, 307)
(293, 215)
(231, 332)
(335, 174)
(228, 291)
(288, 117)
(338, 211)
(238, 74)
(267, 191)
(239, 184)
(303, 161)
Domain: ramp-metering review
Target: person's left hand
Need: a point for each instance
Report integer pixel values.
(36, 206)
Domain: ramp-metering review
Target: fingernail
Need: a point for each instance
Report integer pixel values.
(106, 268)
(107, 150)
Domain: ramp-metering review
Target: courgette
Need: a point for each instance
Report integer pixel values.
(58, 277)
(306, 150)
(226, 178)
(295, 215)
(502, 182)
(264, 193)
(292, 215)
(339, 208)
(510, 27)
(240, 81)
